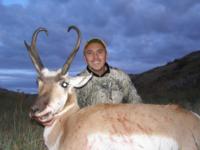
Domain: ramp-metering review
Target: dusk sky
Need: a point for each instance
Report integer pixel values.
(140, 34)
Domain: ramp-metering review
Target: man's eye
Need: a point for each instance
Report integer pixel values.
(89, 52)
(64, 84)
(101, 51)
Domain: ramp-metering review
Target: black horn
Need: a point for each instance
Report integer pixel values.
(74, 51)
(33, 52)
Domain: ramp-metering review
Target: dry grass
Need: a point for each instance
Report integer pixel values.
(18, 132)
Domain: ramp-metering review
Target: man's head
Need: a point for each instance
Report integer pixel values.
(95, 54)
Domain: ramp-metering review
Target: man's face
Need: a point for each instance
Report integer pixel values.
(96, 56)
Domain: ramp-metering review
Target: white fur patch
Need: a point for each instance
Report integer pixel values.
(47, 73)
(101, 141)
(51, 146)
(59, 103)
(67, 108)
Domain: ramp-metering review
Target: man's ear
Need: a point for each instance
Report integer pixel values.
(106, 56)
(79, 81)
(85, 58)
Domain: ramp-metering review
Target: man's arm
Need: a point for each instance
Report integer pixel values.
(133, 96)
(130, 92)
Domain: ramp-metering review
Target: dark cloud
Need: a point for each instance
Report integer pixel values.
(140, 34)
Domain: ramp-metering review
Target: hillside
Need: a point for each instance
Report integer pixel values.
(176, 82)
(9, 99)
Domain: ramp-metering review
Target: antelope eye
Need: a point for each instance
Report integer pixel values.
(64, 84)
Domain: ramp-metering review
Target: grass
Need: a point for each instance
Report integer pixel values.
(18, 132)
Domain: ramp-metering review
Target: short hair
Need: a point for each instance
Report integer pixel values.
(95, 40)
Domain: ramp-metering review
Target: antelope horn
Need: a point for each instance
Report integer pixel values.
(33, 52)
(74, 51)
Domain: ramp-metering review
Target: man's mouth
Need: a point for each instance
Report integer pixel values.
(96, 63)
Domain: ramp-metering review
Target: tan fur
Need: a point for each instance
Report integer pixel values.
(127, 119)
(73, 126)
(132, 119)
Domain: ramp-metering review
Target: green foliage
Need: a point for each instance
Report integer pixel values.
(18, 132)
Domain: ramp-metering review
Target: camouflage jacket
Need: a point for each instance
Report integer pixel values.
(114, 86)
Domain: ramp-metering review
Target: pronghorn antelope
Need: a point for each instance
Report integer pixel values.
(105, 126)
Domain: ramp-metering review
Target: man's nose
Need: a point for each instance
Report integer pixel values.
(96, 56)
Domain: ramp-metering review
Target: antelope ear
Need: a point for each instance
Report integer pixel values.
(79, 81)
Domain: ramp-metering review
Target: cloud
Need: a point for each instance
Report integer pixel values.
(140, 34)
(14, 2)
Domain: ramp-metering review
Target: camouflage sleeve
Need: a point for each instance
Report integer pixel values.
(82, 98)
(130, 92)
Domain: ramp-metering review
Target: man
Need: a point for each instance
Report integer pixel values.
(108, 84)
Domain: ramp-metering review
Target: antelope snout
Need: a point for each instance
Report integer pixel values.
(33, 110)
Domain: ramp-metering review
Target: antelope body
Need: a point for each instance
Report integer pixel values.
(105, 126)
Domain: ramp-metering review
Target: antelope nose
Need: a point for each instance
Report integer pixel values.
(34, 109)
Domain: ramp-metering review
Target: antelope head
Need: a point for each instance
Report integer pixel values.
(54, 87)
